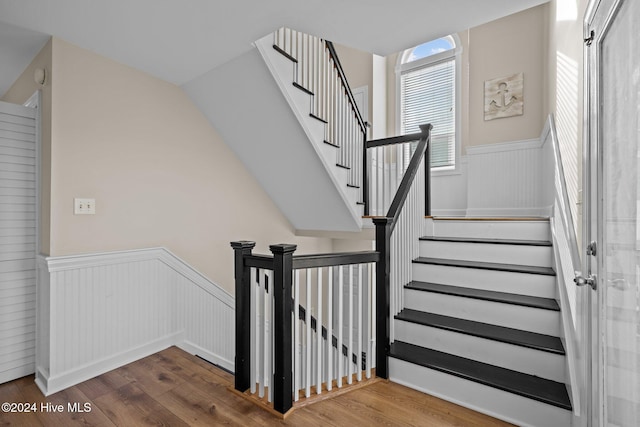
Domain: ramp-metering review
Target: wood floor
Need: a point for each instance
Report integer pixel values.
(174, 388)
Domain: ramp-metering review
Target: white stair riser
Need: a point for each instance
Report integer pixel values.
(487, 252)
(517, 358)
(538, 285)
(488, 400)
(517, 230)
(531, 319)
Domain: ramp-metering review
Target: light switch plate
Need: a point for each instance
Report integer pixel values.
(84, 206)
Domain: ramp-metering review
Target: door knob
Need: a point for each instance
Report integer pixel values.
(591, 280)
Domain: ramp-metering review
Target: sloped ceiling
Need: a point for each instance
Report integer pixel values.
(179, 40)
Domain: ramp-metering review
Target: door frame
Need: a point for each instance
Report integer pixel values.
(598, 18)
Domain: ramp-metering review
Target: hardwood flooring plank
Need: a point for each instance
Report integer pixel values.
(129, 405)
(174, 388)
(103, 384)
(199, 409)
(150, 377)
(11, 393)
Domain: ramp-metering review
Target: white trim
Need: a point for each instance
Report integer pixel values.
(525, 144)
(53, 384)
(75, 262)
(568, 331)
(216, 359)
(508, 212)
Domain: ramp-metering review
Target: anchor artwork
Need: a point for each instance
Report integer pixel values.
(504, 97)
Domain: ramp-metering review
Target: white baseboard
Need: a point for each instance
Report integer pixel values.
(207, 355)
(49, 385)
(507, 212)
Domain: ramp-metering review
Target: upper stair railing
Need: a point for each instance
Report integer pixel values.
(310, 323)
(318, 72)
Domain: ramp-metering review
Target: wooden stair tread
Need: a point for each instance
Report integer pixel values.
(529, 386)
(547, 271)
(482, 294)
(503, 334)
(485, 240)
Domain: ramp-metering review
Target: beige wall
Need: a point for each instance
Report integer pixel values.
(159, 172)
(358, 68)
(19, 93)
(516, 43)
(501, 48)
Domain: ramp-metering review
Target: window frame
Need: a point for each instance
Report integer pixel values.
(402, 66)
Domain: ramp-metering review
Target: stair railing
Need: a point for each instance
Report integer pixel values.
(318, 71)
(397, 238)
(304, 324)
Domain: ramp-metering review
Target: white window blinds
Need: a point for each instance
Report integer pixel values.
(427, 95)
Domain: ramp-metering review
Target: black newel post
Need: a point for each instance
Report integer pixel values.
(426, 129)
(283, 343)
(243, 314)
(383, 247)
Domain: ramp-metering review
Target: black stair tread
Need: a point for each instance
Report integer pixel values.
(317, 118)
(302, 88)
(285, 54)
(518, 337)
(353, 186)
(482, 294)
(483, 240)
(530, 386)
(331, 144)
(342, 166)
(547, 271)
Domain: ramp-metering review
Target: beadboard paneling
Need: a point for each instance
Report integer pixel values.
(101, 311)
(505, 179)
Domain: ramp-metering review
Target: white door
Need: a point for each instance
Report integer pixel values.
(613, 203)
(17, 241)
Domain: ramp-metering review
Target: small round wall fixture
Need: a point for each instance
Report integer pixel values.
(40, 76)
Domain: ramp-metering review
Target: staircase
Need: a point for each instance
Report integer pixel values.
(480, 324)
(469, 312)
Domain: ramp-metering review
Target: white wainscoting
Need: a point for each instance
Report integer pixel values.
(100, 311)
(505, 179)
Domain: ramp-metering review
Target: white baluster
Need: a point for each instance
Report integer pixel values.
(350, 323)
(262, 333)
(360, 297)
(340, 325)
(330, 330)
(254, 344)
(319, 335)
(270, 346)
(296, 336)
(308, 329)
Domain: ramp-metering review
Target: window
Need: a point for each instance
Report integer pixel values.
(427, 80)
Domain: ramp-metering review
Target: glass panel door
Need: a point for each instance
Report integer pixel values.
(614, 140)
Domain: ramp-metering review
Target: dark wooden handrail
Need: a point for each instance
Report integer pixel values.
(315, 260)
(407, 180)
(395, 140)
(345, 84)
